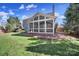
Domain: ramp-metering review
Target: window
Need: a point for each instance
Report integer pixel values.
(42, 24)
(35, 24)
(41, 17)
(49, 30)
(36, 18)
(35, 30)
(49, 24)
(42, 30)
(47, 17)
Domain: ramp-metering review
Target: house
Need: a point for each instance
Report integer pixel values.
(39, 23)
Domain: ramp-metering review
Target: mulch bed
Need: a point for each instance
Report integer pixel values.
(47, 35)
(57, 36)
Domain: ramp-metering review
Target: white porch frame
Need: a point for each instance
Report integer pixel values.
(44, 20)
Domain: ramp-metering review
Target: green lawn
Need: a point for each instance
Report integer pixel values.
(17, 45)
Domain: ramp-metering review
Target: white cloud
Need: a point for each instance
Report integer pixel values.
(3, 13)
(21, 7)
(30, 6)
(3, 19)
(62, 17)
(59, 15)
(3, 7)
(43, 9)
(24, 17)
(11, 12)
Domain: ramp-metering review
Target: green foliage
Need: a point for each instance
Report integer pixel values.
(13, 23)
(0, 27)
(9, 27)
(72, 18)
(13, 20)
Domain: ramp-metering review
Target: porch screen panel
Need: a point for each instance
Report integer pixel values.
(42, 30)
(49, 30)
(35, 24)
(35, 30)
(42, 24)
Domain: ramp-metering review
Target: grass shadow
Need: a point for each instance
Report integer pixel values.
(24, 34)
(64, 48)
(32, 38)
(36, 43)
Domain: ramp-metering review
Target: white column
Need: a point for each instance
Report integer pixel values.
(33, 26)
(53, 27)
(28, 27)
(45, 26)
(38, 26)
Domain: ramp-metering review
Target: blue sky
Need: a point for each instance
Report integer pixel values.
(26, 10)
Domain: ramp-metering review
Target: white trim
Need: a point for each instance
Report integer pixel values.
(53, 26)
(41, 20)
(42, 32)
(33, 25)
(38, 27)
(28, 27)
(41, 28)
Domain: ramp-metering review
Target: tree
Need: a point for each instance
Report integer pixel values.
(72, 19)
(8, 27)
(13, 23)
(0, 27)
